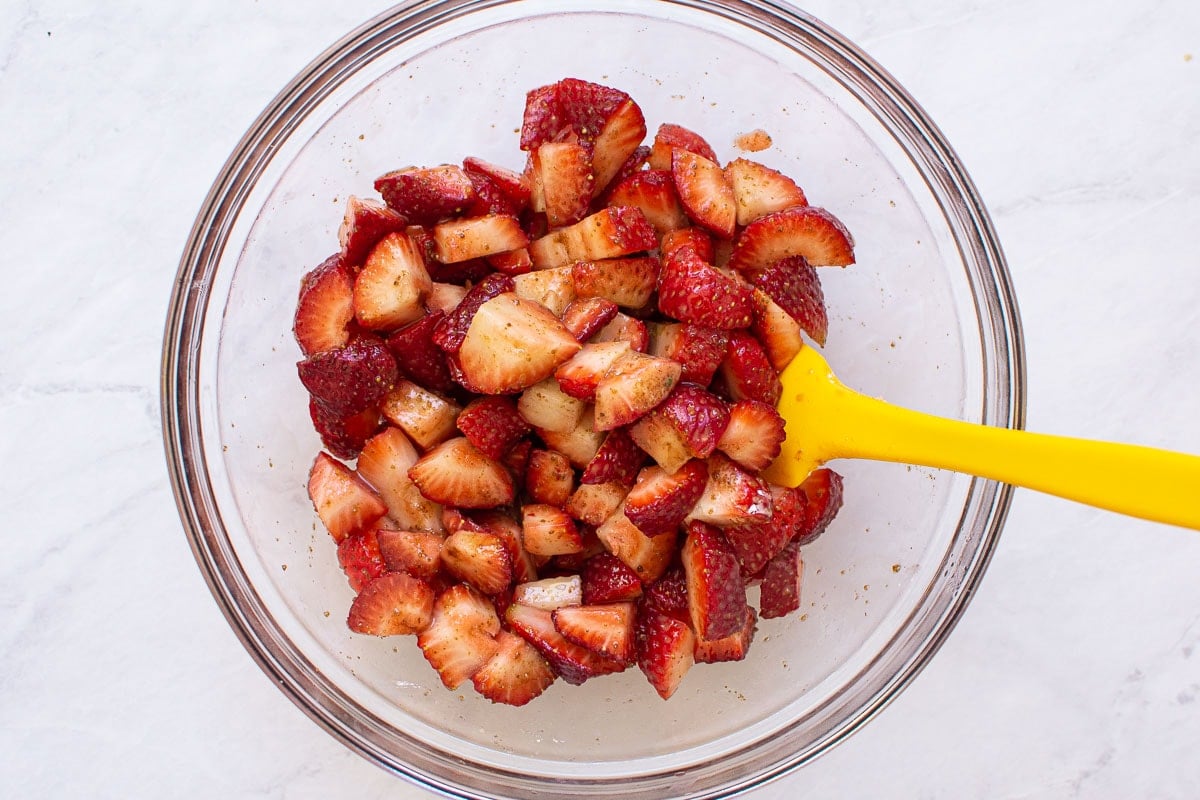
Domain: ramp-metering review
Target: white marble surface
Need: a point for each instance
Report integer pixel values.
(1075, 672)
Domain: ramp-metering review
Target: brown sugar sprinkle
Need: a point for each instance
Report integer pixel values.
(753, 141)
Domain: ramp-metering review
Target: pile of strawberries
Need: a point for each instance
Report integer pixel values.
(558, 389)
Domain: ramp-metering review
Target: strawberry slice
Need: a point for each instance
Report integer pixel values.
(779, 594)
(716, 593)
(573, 663)
(647, 556)
(795, 285)
(653, 193)
(660, 500)
(696, 237)
(394, 604)
(505, 527)
(515, 262)
(628, 282)
(550, 593)
(452, 330)
(461, 636)
(823, 492)
(426, 196)
(455, 473)
(636, 162)
(580, 376)
(705, 192)
(606, 579)
(360, 558)
(670, 137)
(759, 190)
(343, 502)
(617, 142)
(692, 290)
(669, 595)
(349, 379)
(419, 553)
(585, 317)
(687, 425)
(562, 171)
(478, 558)
(391, 288)
(733, 647)
(806, 231)
(444, 297)
(417, 355)
(489, 197)
(344, 436)
(325, 308)
(732, 496)
(468, 271)
(425, 417)
(756, 544)
(609, 233)
(633, 385)
(477, 237)
(552, 288)
(364, 223)
(516, 674)
(570, 106)
(606, 629)
(493, 425)
(512, 344)
(665, 649)
(776, 331)
(548, 408)
(514, 185)
(549, 531)
(580, 444)
(748, 372)
(698, 349)
(624, 328)
(618, 459)
(549, 478)
(754, 435)
(593, 503)
(384, 464)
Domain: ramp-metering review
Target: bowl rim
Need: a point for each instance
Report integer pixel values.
(180, 368)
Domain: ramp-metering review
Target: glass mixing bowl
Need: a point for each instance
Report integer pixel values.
(926, 319)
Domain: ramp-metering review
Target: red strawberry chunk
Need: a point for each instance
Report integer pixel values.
(760, 190)
(705, 192)
(455, 473)
(426, 196)
(609, 233)
(754, 435)
(451, 331)
(363, 225)
(628, 282)
(668, 595)
(605, 629)
(701, 241)
(585, 317)
(618, 459)
(573, 663)
(384, 464)
(823, 491)
(653, 193)
(665, 649)
(692, 290)
(757, 543)
(748, 372)
(659, 500)
(733, 647)
(549, 593)
(795, 285)
(670, 137)
(716, 592)
(594, 503)
(632, 165)
(633, 385)
(390, 290)
(344, 436)
(568, 106)
(493, 425)
(468, 271)
(350, 379)
(549, 478)
(344, 503)
(514, 262)
(549, 531)
(732, 496)
(325, 308)
(393, 604)
(779, 594)
(516, 674)
(698, 349)
(461, 636)
(419, 357)
(779, 334)
(478, 558)
(562, 171)
(806, 231)
(624, 328)
(688, 424)
(606, 579)
(425, 417)
(648, 556)
(419, 553)
(359, 557)
(503, 526)
(514, 185)
(513, 344)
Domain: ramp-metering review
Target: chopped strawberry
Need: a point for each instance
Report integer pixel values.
(653, 193)
(795, 285)
(779, 594)
(776, 331)
(461, 636)
(634, 164)
(469, 271)
(705, 192)
(823, 491)
(593, 503)
(549, 594)
(733, 647)
(670, 137)
(549, 478)
(489, 197)
(570, 106)
(384, 463)
(344, 436)
(419, 553)
(648, 556)
(606, 579)
(513, 184)
(628, 282)
(393, 604)
(618, 459)
(748, 372)
(700, 240)
(360, 558)
(732, 496)
(444, 297)
(426, 196)
(716, 593)
(580, 376)
(692, 290)
(514, 262)
(325, 308)
(516, 460)
(806, 231)
(633, 385)
(665, 649)
(660, 500)
(624, 328)
(754, 435)
(617, 142)
(609, 233)
(343, 502)
(452, 330)
(698, 349)
(757, 543)
(477, 237)
(687, 425)
(505, 527)
(549, 531)
(512, 344)
(426, 417)
(547, 407)
(760, 190)
(586, 316)
(580, 444)
(493, 425)
(363, 225)
(418, 356)
(455, 473)
(516, 674)
(478, 558)
(669, 595)
(573, 663)
(349, 379)
(390, 290)
(563, 173)
(606, 629)
(552, 288)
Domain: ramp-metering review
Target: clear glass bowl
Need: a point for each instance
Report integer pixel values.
(926, 319)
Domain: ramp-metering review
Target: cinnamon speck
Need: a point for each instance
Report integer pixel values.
(753, 141)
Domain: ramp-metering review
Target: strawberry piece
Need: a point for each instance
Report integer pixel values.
(756, 544)
(426, 417)
(748, 372)
(647, 556)
(444, 297)
(609, 233)
(692, 290)
(571, 662)
(633, 164)
(823, 492)
(325, 307)
(633, 385)
(468, 271)
(618, 459)
(552, 288)
(759, 190)
(593, 503)
(669, 595)
(359, 557)
(515, 262)
(516, 460)
(343, 502)
(419, 553)
(653, 193)
(779, 594)
(548, 408)
(687, 425)
(364, 223)
(477, 237)
(455, 473)
(670, 137)
(660, 500)
(624, 328)
(426, 196)
(628, 282)
(350, 379)
(461, 636)
(549, 594)
(665, 649)
(716, 593)
(516, 674)
(705, 192)
(549, 478)
(580, 376)
(698, 349)
(580, 444)
(344, 436)
(733, 647)
(795, 285)
(568, 106)
(696, 237)
(562, 173)
(391, 288)
(418, 356)
(451, 331)
(384, 463)
(493, 425)
(585, 317)
(393, 604)
(618, 141)
(806, 231)
(776, 331)
(606, 579)
(489, 197)
(732, 496)
(514, 185)
(512, 344)
(478, 558)
(606, 629)
(549, 531)
(754, 435)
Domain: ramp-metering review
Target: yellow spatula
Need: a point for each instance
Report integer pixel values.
(826, 420)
